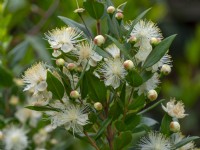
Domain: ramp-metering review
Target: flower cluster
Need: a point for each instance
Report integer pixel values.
(101, 84)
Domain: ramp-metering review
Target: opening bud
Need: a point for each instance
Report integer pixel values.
(152, 95)
(155, 41)
(174, 126)
(165, 69)
(71, 66)
(60, 62)
(132, 39)
(98, 106)
(119, 16)
(99, 40)
(74, 94)
(110, 10)
(128, 65)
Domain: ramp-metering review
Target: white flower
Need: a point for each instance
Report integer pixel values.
(175, 109)
(15, 138)
(144, 31)
(165, 60)
(35, 78)
(113, 50)
(63, 39)
(113, 72)
(24, 114)
(154, 141)
(86, 52)
(71, 116)
(150, 84)
(177, 137)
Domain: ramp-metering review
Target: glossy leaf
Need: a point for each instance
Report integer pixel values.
(97, 89)
(165, 124)
(123, 140)
(134, 79)
(185, 141)
(94, 8)
(55, 86)
(158, 52)
(103, 127)
(42, 108)
(137, 103)
(73, 23)
(136, 21)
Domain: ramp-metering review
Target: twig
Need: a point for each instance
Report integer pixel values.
(45, 17)
(93, 143)
(98, 27)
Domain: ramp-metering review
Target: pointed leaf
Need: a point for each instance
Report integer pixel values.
(158, 52)
(55, 86)
(165, 124)
(185, 141)
(72, 23)
(123, 140)
(103, 127)
(6, 78)
(41, 108)
(94, 8)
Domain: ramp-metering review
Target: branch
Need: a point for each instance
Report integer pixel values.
(92, 142)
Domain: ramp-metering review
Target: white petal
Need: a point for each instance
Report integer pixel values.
(67, 47)
(42, 86)
(96, 57)
(56, 53)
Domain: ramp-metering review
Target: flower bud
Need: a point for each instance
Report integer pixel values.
(110, 10)
(71, 66)
(74, 94)
(174, 126)
(79, 10)
(54, 141)
(99, 40)
(165, 69)
(98, 106)
(128, 64)
(155, 41)
(60, 62)
(1, 135)
(119, 16)
(132, 39)
(152, 95)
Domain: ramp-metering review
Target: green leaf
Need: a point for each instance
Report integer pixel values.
(148, 121)
(185, 141)
(97, 89)
(120, 126)
(102, 53)
(151, 107)
(55, 86)
(146, 75)
(84, 87)
(5, 77)
(103, 127)
(139, 102)
(120, 46)
(42, 108)
(136, 21)
(165, 124)
(131, 121)
(133, 78)
(18, 52)
(72, 23)
(122, 140)
(123, 94)
(158, 52)
(115, 110)
(94, 8)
